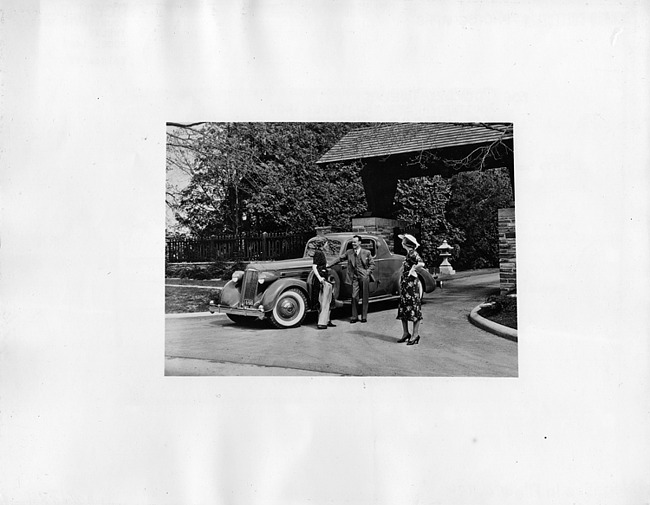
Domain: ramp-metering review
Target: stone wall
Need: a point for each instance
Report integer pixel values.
(377, 226)
(507, 250)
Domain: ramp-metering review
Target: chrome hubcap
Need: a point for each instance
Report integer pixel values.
(287, 308)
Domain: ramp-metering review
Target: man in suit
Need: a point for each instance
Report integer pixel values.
(359, 274)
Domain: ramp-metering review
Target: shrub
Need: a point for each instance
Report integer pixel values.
(237, 265)
(503, 310)
(217, 270)
(170, 270)
(503, 303)
(214, 295)
(212, 271)
(473, 207)
(198, 272)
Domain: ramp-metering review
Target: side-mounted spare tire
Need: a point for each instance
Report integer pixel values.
(289, 310)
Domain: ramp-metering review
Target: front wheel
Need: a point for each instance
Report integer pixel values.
(290, 309)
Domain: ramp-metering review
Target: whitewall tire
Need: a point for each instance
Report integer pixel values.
(289, 309)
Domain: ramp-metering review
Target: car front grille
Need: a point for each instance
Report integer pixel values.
(249, 287)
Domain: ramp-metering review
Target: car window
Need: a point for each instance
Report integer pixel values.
(330, 248)
(368, 244)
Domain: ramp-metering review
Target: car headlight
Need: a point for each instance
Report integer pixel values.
(237, 275)
(267, 277)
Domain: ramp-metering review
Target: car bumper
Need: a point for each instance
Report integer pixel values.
(248, 312)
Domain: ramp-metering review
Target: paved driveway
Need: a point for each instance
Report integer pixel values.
(449, 345)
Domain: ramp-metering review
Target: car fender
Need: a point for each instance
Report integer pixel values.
(230, 294)
(337, 283)
(274, 290)
(427, 278)
(396, 281)
(334, 278)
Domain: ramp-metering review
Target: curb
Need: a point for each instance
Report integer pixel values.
(191, 314)
(491, 326)
(193, 286)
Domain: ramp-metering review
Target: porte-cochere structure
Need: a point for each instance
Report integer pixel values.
(389, 152)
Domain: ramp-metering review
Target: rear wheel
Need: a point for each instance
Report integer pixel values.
(290, 309)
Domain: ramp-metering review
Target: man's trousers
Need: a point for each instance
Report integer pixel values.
(363, 285)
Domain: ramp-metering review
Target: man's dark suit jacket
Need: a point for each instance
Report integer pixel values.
(367, 265)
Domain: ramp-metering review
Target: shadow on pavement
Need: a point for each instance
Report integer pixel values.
(377, 336)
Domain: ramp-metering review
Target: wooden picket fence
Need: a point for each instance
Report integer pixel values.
(243, 247)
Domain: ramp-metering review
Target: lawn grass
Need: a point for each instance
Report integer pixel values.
(195, 282)
(179, 300)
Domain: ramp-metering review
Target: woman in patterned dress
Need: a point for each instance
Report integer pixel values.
(410, 305)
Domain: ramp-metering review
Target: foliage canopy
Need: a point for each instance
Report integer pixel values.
(264, 177)
(254, 177)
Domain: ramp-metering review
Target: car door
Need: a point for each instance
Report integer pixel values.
(386, 266)
(341, 270)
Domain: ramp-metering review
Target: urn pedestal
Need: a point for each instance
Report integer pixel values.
(445, 266)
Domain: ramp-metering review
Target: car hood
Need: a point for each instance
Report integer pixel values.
(283, 265)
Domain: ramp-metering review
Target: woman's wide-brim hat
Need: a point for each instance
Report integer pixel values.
(410, 239)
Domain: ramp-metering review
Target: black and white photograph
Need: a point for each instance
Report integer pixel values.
(335, 252)
(276, 231)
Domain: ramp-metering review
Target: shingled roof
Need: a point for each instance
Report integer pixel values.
(398, 138)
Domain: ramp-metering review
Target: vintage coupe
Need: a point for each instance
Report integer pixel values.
(280, 291)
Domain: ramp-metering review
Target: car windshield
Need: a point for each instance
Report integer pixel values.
(331, 247)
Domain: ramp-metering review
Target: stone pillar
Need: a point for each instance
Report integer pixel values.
(507, 250)
(381, 226)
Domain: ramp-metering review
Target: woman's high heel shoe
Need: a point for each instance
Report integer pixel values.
(415, 341)
(405, 338)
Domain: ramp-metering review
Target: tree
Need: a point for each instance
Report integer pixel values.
(422, 202)
(256, 177)
(180, 165)
(473, 208)
(264, 177)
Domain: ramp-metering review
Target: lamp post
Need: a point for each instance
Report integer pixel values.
(445, 266)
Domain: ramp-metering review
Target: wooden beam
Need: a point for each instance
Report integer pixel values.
(380, 185)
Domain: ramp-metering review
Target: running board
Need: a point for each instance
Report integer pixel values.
(381, 298)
